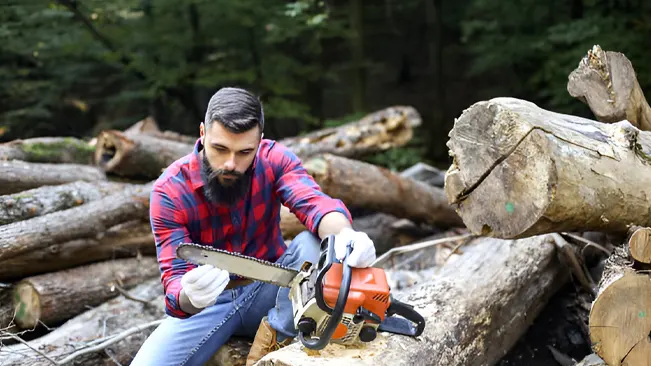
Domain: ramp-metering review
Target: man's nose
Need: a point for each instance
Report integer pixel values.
(230, 163)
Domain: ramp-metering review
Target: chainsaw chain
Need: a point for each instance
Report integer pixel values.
(235, 254)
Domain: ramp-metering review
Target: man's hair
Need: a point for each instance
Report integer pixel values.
(236, 109)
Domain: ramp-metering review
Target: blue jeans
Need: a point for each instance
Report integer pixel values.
(237, 311)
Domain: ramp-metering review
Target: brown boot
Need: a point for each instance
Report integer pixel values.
(264, 342)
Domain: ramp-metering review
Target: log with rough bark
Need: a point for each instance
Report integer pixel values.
(376, 188)
(17, 176)
(47, 199)
(620, 317)
(128, 239)
(476, 309)
(59, 150)
(136, 155)
(639, 244)
(100, 324)
(75, 223)
(381, 130)
(520, 170)
(54, 297)
(606, 82)
(148, 126)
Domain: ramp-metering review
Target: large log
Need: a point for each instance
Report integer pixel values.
(128, 239)
(47, 199)
(99, 325)
(54, 297)
(17, 176)
(75, 223)
(520, 170)
(381, 130)
(606, 82)
(620, 317)
(476, 309)
(376, 188)
(56, 150)
(136, 155)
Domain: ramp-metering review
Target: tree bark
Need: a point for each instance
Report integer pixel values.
(373, 187)
(75, 223)
(619, 321)
(106, 320)
(48, 199)
(520, 170)
(382, 130)
(6, 311)
(606, 82)
(55, 150)
(17, 176)
(129, 239)
(476, 309)
(54, 297)
(137, 155)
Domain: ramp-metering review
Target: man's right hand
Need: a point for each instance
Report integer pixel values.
(203, 284)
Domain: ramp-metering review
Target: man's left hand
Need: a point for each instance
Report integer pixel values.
(363, 253)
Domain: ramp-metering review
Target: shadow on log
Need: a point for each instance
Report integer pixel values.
(520, 170)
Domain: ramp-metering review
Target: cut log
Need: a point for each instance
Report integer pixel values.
(47, 199)
(17, 176)
(129, 239)
(606, 82)
(290, 226)
(100, 324)
(373, 187)
(382, 130)
(639, 244)
(54, 297)
(476, 309)
(75, 223)
(620, 317)
(56, 150)
(520, 170)
(136, 155)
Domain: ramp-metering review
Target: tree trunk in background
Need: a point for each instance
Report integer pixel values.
(79, 222)
(54, 297)
(520, 170)
(47, 199)
(378, 131)
(17, 176)
(129, 239)
(62, 150)
(137, 155)
(606, 82)
(372, 187)
(465, 325)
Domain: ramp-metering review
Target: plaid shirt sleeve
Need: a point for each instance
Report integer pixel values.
(299, 192)
(168, 222)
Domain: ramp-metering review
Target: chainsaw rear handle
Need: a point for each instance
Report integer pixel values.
(336, 313)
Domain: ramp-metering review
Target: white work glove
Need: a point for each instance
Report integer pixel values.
(363, 253)
(203, 284)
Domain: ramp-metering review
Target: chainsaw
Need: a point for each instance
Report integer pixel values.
(331, 301)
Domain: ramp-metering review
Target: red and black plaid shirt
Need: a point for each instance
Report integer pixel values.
(179, 212)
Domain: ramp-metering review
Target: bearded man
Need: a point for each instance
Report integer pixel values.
(227, 193)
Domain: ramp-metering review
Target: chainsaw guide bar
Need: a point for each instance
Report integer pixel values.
(236, 263)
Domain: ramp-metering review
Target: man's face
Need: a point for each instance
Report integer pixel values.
(226, 161)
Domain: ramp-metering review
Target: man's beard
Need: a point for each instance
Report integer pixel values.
(219, 193)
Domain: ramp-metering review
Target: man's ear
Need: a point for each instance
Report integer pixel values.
(202, 133)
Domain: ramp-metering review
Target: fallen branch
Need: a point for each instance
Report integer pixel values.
(17, 176)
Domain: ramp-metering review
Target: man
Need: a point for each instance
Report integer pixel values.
(227, 194)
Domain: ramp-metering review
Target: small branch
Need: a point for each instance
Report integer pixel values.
(588, 243)
(127, 295)
(573, 262)
(418, 246)
(11, 335)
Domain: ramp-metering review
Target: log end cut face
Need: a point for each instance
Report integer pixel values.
(27, 306)
(111, 148)
(502, 178)
(620, 321)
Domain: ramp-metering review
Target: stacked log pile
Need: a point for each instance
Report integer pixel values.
(478, 250)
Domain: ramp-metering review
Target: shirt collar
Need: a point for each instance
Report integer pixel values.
(195, 165)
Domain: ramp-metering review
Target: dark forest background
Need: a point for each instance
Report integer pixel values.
(73, 68)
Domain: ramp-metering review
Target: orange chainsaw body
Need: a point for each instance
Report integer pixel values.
(368, 289)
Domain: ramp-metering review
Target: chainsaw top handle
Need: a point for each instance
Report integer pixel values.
(325, 262)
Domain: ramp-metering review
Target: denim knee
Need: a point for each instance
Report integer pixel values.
(304, 247)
